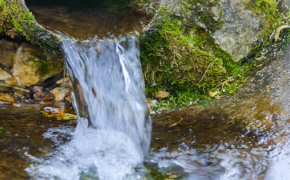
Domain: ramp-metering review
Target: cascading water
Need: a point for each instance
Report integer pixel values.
(115, 136)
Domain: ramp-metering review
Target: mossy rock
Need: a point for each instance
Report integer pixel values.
(203, 46)
(16, 19)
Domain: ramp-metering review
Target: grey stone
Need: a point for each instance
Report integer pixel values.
(240, 30)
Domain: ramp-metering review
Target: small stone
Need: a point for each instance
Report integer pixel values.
(68, 98)
(12, 81)
(162, 94)
(58, 95)
(5, 89)
(48, 96)
(40, 95)
(66, 79)
(8, 98)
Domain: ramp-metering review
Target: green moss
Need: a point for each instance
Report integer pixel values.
(273, 18)
(185, 61)
(16, 20)
(2, 130)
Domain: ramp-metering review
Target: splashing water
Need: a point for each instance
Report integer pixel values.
(114, 127)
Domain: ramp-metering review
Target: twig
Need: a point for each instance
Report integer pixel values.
(176, 123)
(206, 70)
(14, 87)
(5, 69)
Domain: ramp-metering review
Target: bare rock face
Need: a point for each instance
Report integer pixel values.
(7, 52)
(240, 30)
(32, 67)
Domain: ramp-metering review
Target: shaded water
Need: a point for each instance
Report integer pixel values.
(81, 23)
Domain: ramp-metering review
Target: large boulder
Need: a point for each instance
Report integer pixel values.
(32, 67)
(194, 45)
(241, 28)
(7, 52)
(233, 24)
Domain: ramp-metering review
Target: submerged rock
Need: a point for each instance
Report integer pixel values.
(32, 67)
(58, 113)
(12, 81)
(7, 98)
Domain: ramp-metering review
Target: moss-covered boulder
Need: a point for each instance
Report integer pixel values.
(196, 46)
(16, 19)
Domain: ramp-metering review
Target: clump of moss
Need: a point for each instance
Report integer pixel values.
(2, 130)
(16, 20)
(185, 61)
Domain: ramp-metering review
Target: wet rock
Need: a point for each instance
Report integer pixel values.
(58, 113)
(42, 95)
(32, 67)
(37, 92)
(58, 93)
(66, 80)
(7, 98)
(11, 81)
(4, 75)
(68, 98)
(242, 27)
(5, 89)
(7, 52)
(274, 118)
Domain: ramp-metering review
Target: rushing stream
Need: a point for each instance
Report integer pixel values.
(114, 127)
(245, 136)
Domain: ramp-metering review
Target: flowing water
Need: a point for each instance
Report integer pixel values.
(114, 127)
(242, 137)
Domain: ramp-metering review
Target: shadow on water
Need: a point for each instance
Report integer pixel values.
(85, 19)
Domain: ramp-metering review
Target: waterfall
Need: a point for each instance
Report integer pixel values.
(114, 126)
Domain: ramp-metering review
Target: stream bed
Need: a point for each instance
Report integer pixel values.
(242, 137)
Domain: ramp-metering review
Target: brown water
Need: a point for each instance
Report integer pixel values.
(22, 136)
(87, 24)
(242, 137)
